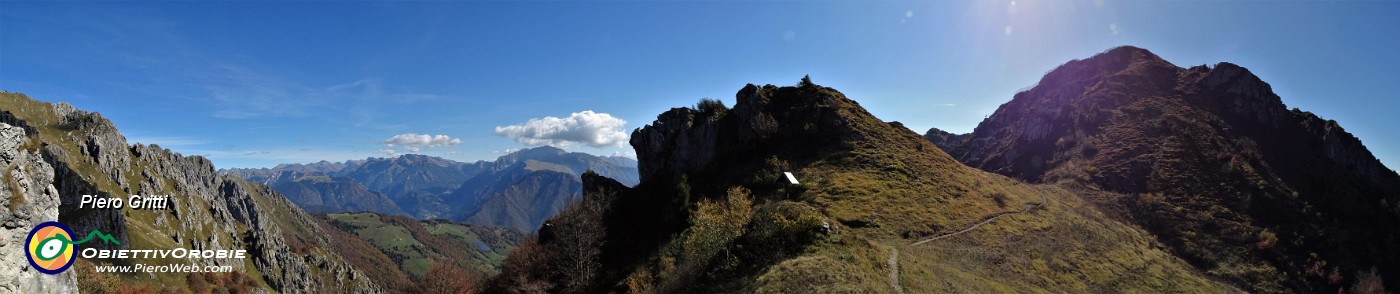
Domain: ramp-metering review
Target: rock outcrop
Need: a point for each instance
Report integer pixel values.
(685, 140)
(949, 142)
(28, 199)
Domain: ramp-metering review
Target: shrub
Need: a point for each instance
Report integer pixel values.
(783, 228)
(1267, 240)
(1368, 283)
(806, 81)
(89, 281)
(198, 283)
(716, 224)
(711, 107)
(640, 281)
(296, 244)
(525, 269)
(447, 279)
(1000, 198)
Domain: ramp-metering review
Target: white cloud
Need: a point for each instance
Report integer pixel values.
(1113, 28)
(388, 152)
(587, 127)
(1008, 30)
(415, 141)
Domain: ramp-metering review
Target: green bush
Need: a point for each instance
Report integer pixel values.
(783, 228)
(806, 81)
(711, 107)
(716, 224)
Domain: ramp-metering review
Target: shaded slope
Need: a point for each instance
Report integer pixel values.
(1211, 161)
(521, 197)
(319, 193)
(523, 189)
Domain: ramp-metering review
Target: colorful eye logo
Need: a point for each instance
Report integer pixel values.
(50, 247)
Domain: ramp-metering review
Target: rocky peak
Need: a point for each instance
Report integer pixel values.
(797, 123)
(684, 140)
(691, 145)
(1232, 88)
(1077, 75)
(537, 153)
(951, 143)
(418, 159)
(1206, 139)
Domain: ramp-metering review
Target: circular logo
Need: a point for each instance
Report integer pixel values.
(50, 247)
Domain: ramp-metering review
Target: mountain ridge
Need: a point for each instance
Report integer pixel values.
(88, 156)
(1210, 160)
(511, 191)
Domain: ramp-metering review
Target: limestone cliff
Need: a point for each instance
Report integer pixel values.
(81, 153)
(29, 198)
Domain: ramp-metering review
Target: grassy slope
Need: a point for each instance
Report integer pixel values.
(417, 247)
(903, 189)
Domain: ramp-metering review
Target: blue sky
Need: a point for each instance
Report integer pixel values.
(252, 84)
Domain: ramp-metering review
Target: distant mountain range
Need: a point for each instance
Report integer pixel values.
(518, 190)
